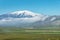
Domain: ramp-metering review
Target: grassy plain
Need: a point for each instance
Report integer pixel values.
(29, 34)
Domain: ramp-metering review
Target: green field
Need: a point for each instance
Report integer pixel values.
(29, 34)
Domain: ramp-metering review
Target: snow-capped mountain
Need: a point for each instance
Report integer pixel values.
(27, 18)
(21, 15)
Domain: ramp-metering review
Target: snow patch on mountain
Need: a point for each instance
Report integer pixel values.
(53, 19)
(44, 18)
(25, 12)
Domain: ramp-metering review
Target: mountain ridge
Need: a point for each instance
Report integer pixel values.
(27, 18)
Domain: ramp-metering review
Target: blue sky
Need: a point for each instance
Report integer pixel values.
(47, 7)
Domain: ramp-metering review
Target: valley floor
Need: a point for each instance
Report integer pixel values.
(30, 34)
